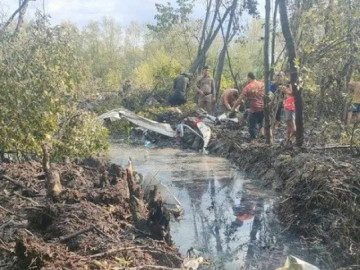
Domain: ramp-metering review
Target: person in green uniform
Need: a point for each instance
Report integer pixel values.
(206, 90)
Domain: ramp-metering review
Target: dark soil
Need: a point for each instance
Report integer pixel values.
(100, 220)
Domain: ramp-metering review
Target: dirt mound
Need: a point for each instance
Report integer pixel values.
(321, 201)
(99, 221)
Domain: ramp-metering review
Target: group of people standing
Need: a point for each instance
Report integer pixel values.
(205, 89)
(231, 99)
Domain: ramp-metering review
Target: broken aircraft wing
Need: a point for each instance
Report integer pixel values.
(161, 128)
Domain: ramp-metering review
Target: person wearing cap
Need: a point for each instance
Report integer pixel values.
(228, 99)
(181, 87)
(254, 91)
(206, 90)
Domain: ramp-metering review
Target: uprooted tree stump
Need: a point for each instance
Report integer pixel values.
(52, 176)
(90, 224)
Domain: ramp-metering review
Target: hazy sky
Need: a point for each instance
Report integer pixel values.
(83, 11)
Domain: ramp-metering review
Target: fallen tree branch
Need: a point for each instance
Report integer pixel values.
(333, 147)
(104, 234)
(18, 184)
(114, 250)
(13, 224)
(4, 245)
(87, 229)
(72, 235)
(7, 178)
(127, 224)
(26, 198)
(152, 267)
(6, 249)
(10, 212)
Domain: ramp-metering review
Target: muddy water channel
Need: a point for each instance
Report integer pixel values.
(226, 218)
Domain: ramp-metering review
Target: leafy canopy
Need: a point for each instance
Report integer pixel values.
(40, 73)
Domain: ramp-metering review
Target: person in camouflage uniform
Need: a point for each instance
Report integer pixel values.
(206, 90)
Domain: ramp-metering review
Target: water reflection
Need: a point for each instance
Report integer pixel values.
(222, 219)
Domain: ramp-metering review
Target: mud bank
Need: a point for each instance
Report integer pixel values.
(318, 194)
(100, 220)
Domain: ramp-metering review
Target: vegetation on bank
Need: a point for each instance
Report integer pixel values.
(41, 77)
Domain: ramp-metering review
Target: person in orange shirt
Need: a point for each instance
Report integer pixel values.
(254, 91)
(289, 111)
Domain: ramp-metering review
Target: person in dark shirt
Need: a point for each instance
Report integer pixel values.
(126, 88)
(181, 86)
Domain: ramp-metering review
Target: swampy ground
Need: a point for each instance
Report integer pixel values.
(227, 219)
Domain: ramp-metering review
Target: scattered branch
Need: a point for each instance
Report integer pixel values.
(115, 250)
(10, 212)
(152, 267)
(18, 184)
(73, 235)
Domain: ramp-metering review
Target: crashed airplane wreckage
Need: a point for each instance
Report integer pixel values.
(160, 128)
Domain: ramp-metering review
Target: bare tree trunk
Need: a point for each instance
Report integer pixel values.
(351, 60)
(219, 70)
(233, 75)
(201, 59)
(327, 16)
(266, 73)
(21, 7)
(21, 17)
(203, 32)
(227, 39)
(320, 102)
(293, 72)
(207, 43)
(326, 80)
(52, 176)
(273, 39)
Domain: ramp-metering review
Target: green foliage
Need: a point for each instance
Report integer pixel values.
(330, 132)
(227, 82)
(334, 132)
(100, 42)
(39, 74)
(327, 42)
(80, 134)
(119, 129)
(351, 135)
(168, 15)
(153, 58)
(157, 66)
(247, 52)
